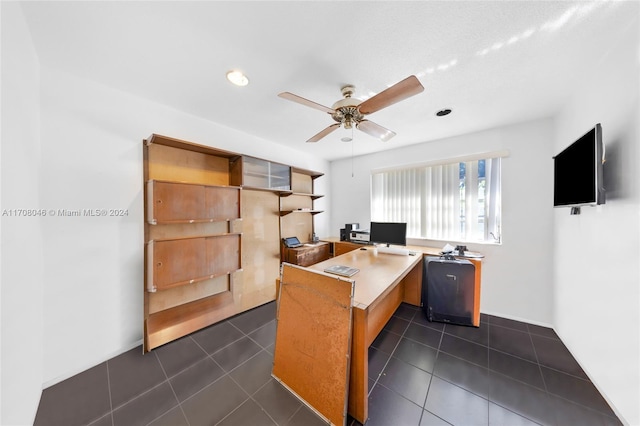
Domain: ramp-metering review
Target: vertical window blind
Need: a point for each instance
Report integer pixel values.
(458, 201)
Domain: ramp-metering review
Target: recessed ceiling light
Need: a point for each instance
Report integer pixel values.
(443, 112)
(346, 139)
(237, 78)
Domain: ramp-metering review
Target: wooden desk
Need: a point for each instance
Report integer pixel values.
(384, 281)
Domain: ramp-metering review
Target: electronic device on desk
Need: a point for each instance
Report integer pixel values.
(292, 242)
(346, 231)
(386, 234)
(351, 226)
(359, 236)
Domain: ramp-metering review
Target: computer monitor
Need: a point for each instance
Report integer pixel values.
(389, 233)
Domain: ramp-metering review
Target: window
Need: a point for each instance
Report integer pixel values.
(458, 201)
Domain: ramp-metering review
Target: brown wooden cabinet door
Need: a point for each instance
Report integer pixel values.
(177, 262)
(223, 254)
(175, 202)
(221, 203)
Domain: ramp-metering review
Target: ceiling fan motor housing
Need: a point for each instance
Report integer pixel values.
(346, 110)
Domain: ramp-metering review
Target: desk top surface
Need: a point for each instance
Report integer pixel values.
(378, 272)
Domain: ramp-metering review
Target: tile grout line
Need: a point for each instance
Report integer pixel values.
(488, 371)
(424, 404)
(552, 395)
(110, 398)
(174, 394)
(228, 373)
(535, 353)
(255, 341)
(518, 380)
(390, 355)
(387, 362)
(250, 396)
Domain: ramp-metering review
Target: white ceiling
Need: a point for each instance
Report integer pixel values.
(492, 63)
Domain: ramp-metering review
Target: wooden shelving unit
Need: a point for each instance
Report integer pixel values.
(213, 223)
(296, 217)
(202, 225)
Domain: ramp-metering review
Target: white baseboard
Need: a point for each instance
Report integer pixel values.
(515, 318)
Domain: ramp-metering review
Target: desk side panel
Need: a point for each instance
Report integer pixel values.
(413, 285)
(313, 339)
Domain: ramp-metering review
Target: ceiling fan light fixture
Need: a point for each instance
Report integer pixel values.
(238, 78)
(347, 122)
(443, 112)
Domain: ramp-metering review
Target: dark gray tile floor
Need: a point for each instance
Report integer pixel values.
(503, 373)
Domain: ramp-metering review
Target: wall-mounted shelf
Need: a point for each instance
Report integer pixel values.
(171, 324)
(297, 207)
(302, 194)
(313, 212)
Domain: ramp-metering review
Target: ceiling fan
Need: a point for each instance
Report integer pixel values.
(349, 111)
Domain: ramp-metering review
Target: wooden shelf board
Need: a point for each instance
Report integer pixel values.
(199, 236)
(164, 326)
(172, 222)
(302, 194)
(286, 212)
(311, 173)
(196, 184)
(189, 146)
(258, 188)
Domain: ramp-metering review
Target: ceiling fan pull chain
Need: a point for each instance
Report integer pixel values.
(352, 143)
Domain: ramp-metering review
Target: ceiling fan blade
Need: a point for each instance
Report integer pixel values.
(406, 88)
(375, 130)
(324, 132)
(307, 102)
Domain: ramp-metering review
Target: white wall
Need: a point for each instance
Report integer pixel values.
(517, 275)
(22, 274)
(597, 256)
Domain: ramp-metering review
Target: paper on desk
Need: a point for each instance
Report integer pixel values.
(448, 247)
(473, 254)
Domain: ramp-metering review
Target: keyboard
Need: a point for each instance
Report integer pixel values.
(393, 250)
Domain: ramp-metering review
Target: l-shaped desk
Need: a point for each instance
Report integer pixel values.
(383, 282)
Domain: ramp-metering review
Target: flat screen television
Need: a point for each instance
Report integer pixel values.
(389, 233)
(577, 172)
